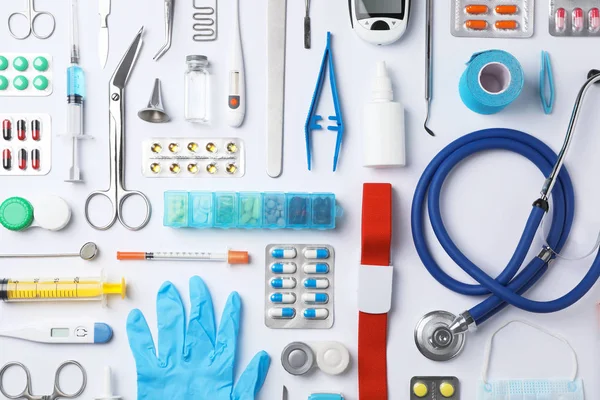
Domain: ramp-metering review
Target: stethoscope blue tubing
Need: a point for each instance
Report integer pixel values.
(511, 284)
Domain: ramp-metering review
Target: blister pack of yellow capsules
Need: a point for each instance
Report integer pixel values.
(434, 388)
(492, 18)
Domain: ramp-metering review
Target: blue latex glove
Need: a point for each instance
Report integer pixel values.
(198, 365)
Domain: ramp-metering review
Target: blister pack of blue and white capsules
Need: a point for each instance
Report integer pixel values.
(492, 18)
(299, 286)
(574, 18)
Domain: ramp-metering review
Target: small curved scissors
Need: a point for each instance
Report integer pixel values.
(116, 192)
(31, 15)
(56, 394)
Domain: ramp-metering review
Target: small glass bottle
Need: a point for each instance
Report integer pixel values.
(197, 89)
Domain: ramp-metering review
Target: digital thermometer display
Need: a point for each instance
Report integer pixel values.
(380, 8)
(59, 332)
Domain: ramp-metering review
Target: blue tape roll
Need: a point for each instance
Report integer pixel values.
(493, 79)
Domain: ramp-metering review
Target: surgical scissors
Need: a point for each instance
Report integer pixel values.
(116, 193)
(31, 15)
(57, 393)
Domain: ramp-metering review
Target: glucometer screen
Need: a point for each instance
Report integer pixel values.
(380, 9)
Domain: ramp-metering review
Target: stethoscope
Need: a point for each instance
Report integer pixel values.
(441, 335)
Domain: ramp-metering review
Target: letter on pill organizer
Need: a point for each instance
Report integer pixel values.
(283, 298)
(316, 254)
(288, 252)
(283, 283)
(316, 313)
(319, 268)
(315, 298)
(282, 313)
(283, 268)
(316, 283)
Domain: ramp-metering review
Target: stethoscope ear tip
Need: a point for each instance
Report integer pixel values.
(592, 73)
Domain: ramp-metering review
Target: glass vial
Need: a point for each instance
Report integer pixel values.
(197, 90)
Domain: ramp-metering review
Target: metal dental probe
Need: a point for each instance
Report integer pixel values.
(428, 61)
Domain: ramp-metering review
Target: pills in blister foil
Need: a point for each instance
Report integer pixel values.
(26, 142)
(492, 18)
(299, 286)
(25, 74)
(193, 158)
(574, 18)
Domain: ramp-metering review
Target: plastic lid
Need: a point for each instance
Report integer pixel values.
(238, 257)
(131, 255)
(40, 64)
(16, 214)
(51, 212)
(3, 63)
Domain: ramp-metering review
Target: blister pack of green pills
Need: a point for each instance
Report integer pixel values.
(25, 74)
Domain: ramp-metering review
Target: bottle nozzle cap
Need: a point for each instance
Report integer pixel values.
(382, 86)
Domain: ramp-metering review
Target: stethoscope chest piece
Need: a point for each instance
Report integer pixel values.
(435, 340)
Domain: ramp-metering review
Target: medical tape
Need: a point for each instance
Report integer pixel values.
(493, 80)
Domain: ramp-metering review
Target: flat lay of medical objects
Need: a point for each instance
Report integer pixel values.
(299, 199)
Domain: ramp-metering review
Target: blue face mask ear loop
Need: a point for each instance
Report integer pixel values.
(546, 81)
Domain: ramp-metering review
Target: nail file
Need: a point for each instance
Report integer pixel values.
(276, 22)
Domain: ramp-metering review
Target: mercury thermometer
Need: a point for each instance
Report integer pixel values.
(72, 332)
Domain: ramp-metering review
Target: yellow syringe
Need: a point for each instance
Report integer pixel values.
(58, 289)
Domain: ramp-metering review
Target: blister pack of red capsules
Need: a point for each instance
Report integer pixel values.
(492, 18)
(574, 18)
(26, 144)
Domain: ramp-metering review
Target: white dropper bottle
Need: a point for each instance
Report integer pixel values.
(383, 125)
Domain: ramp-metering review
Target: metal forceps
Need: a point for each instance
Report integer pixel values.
(57, 393)
(31, 15)
(116, 193)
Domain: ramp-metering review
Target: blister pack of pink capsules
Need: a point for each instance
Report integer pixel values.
(492, 18)
(574, 18)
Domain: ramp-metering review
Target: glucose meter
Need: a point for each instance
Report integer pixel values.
(379, 21)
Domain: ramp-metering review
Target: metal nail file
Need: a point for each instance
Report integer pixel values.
(276, 22)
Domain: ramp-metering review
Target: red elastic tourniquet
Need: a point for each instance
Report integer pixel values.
(372, 328)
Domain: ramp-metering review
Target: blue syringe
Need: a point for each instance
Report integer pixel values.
(75, 97)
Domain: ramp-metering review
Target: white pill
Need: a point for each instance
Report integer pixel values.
(287, 252)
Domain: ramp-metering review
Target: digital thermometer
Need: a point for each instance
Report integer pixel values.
(69, 332)
(236, 99)
(379, 21)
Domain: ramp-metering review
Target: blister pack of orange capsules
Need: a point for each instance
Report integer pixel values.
(492, 18)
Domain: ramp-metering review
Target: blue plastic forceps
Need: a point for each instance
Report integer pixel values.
(312, 121)
(57, 393)
(31, 15)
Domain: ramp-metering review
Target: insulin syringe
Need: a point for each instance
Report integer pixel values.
(75, 97)
(231, 257)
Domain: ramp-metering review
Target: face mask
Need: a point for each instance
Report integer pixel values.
(529, 389)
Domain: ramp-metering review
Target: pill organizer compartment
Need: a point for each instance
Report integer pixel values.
(250, 210)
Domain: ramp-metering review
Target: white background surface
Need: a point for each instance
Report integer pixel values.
(485, 202)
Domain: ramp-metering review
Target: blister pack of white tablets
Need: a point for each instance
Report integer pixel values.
(492, 18)
(193, 158)
(574, 18)
(26, 144)
(299, 284)
(25, 74)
